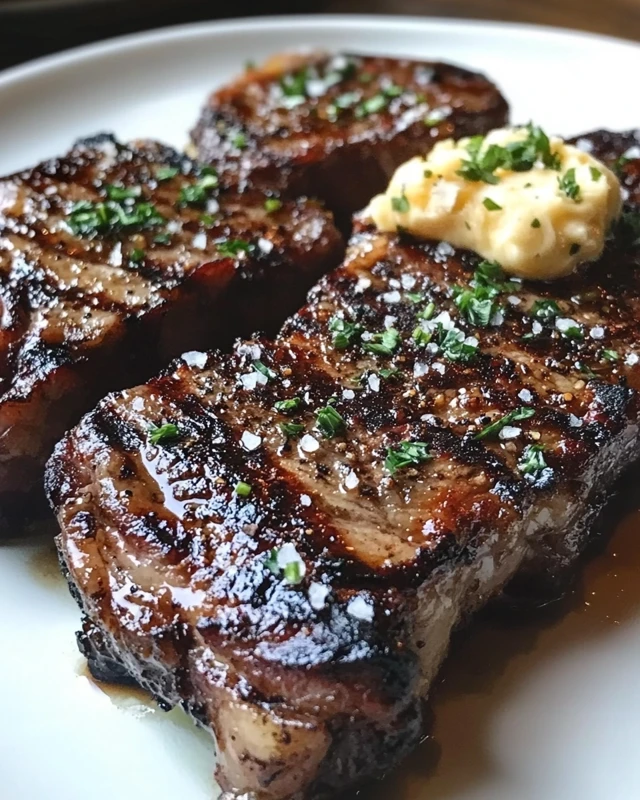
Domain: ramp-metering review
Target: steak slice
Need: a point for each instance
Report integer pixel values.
(115, 259)
(337, 126)
(290, 564)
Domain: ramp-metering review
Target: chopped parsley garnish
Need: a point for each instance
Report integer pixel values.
(400, 204)
(137, 255)
(456, 347)
(568, 185)
(494, 428)
(119, 193)
(272, 204)
(291, 429)
(292, 571)
(295, 84)
(428, 173)
(428, 311)
(199, 192)
(372, 105)
(596, 174)
(477, 309)
(207, 219)
(239, 140)
(243, 489)
(392, 90)
(163, 434)
(414, 297)
(421, 337)
(263, 369)
(230, 248)
(477, 303)
(288, 406)
(89, 219)
(491, 205)
(166, 173)
(329, 422)
(406, 454)
(341, 103)
(535, 223)
(344, 333)
(545, 310)
(389, 373)
(383, 344)
(162, 238)
(532, 461)
(518, 156)
(610, 355)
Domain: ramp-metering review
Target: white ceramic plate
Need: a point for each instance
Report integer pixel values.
(545, 710)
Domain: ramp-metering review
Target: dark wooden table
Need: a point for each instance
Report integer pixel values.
(613, 17)
(29, 28)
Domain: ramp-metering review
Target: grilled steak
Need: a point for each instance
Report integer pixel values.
(288, 564)
(336, 127)
(115, 259)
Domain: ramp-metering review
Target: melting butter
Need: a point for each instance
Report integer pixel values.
(537, 220)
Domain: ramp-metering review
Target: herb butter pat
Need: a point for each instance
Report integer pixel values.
(538, 206)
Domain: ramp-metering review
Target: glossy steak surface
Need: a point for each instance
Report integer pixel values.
(337, 126)
(115, 259)
(288, 560)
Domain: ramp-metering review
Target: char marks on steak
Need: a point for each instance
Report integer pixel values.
(336, 127)
(295, 587)
(116, 258)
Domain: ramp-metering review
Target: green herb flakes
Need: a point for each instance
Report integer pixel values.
(163, 434)
(406, 454)
(329, 422)
(383, 344)
(569, 186)
(491, 205)
(532, 461)
(494, 428)
(288, 406)
(344, 333)
(272, 204)
(242, 489)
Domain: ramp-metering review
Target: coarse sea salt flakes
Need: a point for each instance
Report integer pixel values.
(597, 332)
(510, 432)
(574, 421)
(389, 321)
(632, 359)
(265, 245)
(391, 297)
(194, 358)
(374, 382)
(288, 554)
(525, 395)
(252, 350)
(318, 594)
(420, 369)
(360, 608)
(199, 241)
(309, 443)
(352, 480)
(305, 500)
(250, 441)
(348, 394)
(536, 328)
(439, 367)
(408, 282)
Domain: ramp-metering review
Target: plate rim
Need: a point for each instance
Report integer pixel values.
(300, 22)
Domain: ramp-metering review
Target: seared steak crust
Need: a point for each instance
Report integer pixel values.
(97, 296)
(311, 677)
(336, 127)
